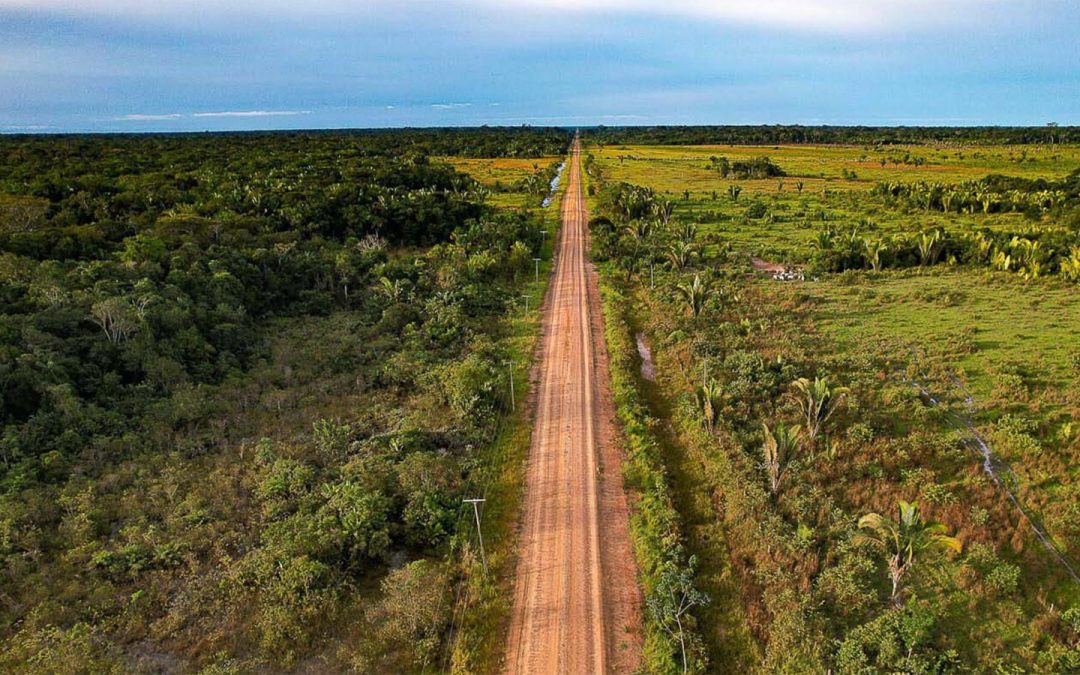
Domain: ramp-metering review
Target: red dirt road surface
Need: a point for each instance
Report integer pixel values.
(577, 607)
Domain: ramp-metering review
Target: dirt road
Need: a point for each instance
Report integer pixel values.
(577, 607)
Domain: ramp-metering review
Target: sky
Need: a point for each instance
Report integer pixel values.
(195, 65)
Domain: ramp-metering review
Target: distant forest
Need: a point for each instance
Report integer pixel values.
(789, 134)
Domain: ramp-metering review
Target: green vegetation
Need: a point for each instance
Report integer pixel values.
(246, 382)
(511, 182)
(792, 134)
(905, 369)
(671, 641)
(902, 540)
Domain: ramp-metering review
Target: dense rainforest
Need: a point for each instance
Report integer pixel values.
(245, 382)
(798, 134)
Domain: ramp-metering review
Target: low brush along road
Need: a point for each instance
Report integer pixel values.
(577, 607)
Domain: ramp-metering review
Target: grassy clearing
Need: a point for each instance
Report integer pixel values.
(492, 170)
(775, 218)
(678, 168)
(987, 321)
(503, 175)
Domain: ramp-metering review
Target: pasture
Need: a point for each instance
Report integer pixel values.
(947, 342)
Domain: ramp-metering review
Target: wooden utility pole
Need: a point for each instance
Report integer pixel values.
(479, 534)
(510, 366)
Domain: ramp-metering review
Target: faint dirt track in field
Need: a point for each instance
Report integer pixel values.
(577, 607)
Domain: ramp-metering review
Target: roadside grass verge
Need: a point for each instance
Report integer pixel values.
(680, 511)
(654, 524)
(483, 603)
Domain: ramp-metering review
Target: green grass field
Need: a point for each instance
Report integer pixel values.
(678, 168)
(1000, 321)
(504, 171)
(987, 319)
(793, 216)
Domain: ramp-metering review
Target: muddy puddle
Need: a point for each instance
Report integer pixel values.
(648, 369)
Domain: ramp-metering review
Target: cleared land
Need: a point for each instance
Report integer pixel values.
(942, 361)
(515, 182)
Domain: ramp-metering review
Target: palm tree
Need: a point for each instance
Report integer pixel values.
(710, 398)
(681, 254)
(982, 245)
(948, 199)
(903, 540)
(1030, 255)
(873, 248)
(734, 190)
(695, 294)
(825, 239)
(392, 289)
(662, 209)
(1070, 267)
(781, 445)
(688, 233)
(639, 230)
(928, 247)
(817, 401)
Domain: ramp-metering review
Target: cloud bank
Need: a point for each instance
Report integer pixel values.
(808, 15)
(253, 113)
(141, 117)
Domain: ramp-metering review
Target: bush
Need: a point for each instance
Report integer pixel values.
(901, 640)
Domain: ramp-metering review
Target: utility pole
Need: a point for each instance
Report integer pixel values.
(510, 366)
(479, 534)
(526, 304)
(536, 262)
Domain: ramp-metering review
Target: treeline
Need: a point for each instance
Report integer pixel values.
(523, 141)
(797, 134)
(993, 194)
(1036, 252)
(1041, 248)
(243, 377)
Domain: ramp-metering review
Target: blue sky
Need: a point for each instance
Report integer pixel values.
(172, 65)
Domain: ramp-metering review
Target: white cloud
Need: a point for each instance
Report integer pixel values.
(816, 15)
(806, 15)
(450, 106)
(138, 117)
(252, 113)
